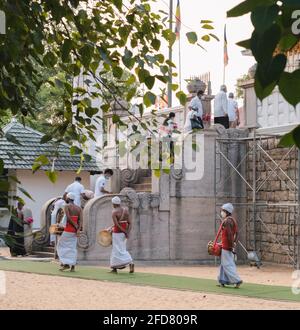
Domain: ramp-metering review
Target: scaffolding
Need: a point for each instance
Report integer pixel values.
(250, 172)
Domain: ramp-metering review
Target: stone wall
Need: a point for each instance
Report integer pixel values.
(278, 224)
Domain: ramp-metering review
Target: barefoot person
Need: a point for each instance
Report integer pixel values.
(16, 232)
(120, 258)
(67, 244)
(228, 273)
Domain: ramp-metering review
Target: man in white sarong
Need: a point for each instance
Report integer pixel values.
(120, 257)
(58, 207)
(67, 244)
(228, 273)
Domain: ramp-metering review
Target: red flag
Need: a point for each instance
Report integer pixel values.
(226, 58)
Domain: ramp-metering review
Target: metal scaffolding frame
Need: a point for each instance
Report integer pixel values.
(254, 184)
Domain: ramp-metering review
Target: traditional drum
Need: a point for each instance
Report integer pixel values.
(104, 238)
(56, 229)
(214, 249)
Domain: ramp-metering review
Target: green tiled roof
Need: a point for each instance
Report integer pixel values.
(22, 156)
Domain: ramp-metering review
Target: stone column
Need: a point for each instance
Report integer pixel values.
(250, 104)
(112, 156)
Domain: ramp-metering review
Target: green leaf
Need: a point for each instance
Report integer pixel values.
(128, 59)
(264, 44)
(289, 86)
(143, 74)
(207, 27)
(268, 74)
(117, 72)
(1, 166)
(287, 42)
(171, 64)
(206, 38)
(59, 83)
(181, 97)
(90, 111)
(11, 138)
(4, 186)
(52, 175)
(26, 193)
(42, 159)
(156, 44)
(206, 22)
(174, 87)
(131, 93)
(149, 82)
(149, 99)
(245, 43)
(247, 6)
(214, 36)
(66, 49)
(263, 92)
(157, 173)
(75, 151)
(115, 119)
(118, 4)
(263, 17)
(46, 138)
(50, 60)
(291, 138)
(296, 136)
(192, 37)
(287, 140)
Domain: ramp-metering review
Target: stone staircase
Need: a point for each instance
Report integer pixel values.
(144, 184)
(43, 252)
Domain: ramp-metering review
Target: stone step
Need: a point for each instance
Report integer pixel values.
(41, 254)
(142, 187)
(49, 249)
(145, 179)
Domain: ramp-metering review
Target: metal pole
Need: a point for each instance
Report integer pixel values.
(298, 215)
(170, 56)
(254, 188)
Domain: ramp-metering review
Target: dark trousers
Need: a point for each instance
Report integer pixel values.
(222, 121)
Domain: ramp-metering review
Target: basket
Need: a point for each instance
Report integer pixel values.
(104, 238)
(56, 229)
(214, 249)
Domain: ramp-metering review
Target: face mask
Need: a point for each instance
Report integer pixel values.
(107, 177)
(223, 214)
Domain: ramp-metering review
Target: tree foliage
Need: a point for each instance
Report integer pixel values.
(275, 33)
(94, 39)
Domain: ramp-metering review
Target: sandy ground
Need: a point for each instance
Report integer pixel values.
(31, 291)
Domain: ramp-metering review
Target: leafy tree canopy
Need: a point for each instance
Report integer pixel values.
(276, 31)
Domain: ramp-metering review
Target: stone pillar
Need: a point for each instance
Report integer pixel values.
(112, 157)
(250, 104)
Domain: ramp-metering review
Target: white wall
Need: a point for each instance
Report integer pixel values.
(275, 111)
(42, 189)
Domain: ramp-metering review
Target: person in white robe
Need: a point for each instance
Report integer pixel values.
(58, 206)
(67, 244)
(120, 257)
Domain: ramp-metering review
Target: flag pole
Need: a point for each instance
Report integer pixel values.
(225, 55)
(170, 56)
(179, 62)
